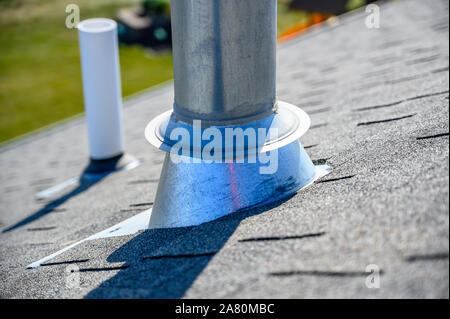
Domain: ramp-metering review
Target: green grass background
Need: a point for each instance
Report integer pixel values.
(40, 79)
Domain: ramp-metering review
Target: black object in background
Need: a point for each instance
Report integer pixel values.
(147, 25)
(333, 7)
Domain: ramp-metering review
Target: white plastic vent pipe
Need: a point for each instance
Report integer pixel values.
(102, 103)
(101, 86)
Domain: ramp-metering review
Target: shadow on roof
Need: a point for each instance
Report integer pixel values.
(83, 185)
(164, 263)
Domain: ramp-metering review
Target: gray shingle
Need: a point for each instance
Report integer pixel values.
(385, 203)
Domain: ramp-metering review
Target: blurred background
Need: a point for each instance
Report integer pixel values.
(40, 77)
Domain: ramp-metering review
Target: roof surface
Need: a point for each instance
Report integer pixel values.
(379, 103)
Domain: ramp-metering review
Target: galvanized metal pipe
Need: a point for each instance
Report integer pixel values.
(225, 64)
(224, 54)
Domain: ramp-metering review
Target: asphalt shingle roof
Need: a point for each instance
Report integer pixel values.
(379, 104)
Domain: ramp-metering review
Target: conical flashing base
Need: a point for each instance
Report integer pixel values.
(192, 194)
(193, 191)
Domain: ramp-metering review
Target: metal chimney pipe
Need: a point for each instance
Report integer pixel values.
(224, 55)
(225, 72)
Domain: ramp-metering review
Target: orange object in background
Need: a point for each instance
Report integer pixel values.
(298, 28)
